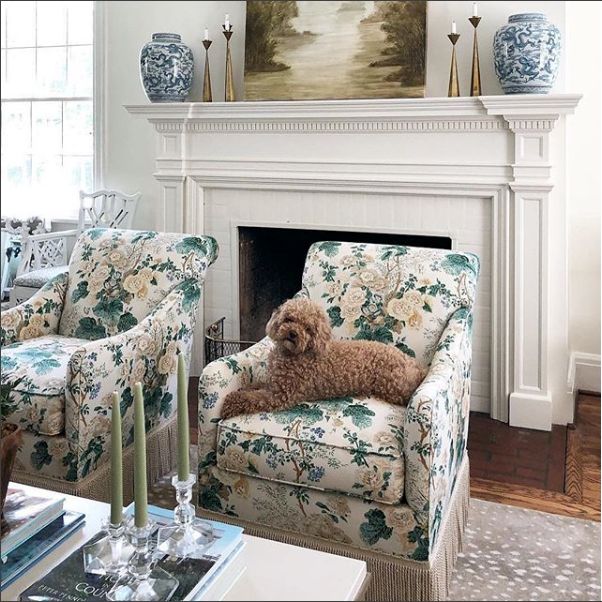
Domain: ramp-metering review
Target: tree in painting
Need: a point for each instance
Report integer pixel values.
(357, 49)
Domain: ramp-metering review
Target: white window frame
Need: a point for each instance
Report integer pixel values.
(99, 103)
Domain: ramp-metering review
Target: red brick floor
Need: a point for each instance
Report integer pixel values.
(499, 452)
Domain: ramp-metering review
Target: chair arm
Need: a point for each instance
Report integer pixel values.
(436, 425)
(219, 378)
(38, 316)
(32, 244)
(146, 353)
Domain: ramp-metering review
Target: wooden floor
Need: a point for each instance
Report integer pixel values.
(557, 472)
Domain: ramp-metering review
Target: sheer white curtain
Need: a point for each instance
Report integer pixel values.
(47, 106)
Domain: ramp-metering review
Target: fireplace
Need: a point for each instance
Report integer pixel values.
(271, 264)
(487, 172)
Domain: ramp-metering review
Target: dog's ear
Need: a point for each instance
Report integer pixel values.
(322, 332)
(274, 322)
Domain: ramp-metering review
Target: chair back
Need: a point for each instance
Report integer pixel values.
(399, 295)
(117, 277)
(106, 209)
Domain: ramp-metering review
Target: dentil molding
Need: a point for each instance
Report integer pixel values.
(469, 114)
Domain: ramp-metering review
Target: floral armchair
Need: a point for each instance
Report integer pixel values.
(120, 315)
(384, 483)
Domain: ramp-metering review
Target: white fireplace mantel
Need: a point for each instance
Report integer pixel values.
(486, 171)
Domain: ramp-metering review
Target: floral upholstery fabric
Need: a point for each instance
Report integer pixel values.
(398, 295)
(41, 367)
(433, 427)
(145, 352)
(384, 528)
(38, 316)
(116, 277)
(353, 446)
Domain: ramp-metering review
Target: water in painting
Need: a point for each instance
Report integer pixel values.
(331, 50)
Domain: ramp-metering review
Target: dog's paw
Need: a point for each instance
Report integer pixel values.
(234, 405)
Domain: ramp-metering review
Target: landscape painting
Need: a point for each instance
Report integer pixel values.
(334, 50)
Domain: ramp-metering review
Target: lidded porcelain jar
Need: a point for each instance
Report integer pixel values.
(166, 68)
(527, 54)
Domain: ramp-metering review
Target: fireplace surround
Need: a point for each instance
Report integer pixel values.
(486, 172)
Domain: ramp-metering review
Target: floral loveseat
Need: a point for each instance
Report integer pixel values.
(360, 477)
(120, 315)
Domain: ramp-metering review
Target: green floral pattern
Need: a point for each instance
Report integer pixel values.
(417, 299)
(41, 364)
(353, 446)
(159, 325)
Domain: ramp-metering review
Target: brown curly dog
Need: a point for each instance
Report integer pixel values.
(307, 365)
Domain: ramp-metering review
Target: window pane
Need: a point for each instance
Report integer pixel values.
(20, 20)
(78, 172)
(16, 127)
(3, 70)
(47, 127)
(46, 171)
(80, 21)
(18, 171)
(20, 73)
(52, 72)
(80, 71)
(52, 23)
(3, 24)
(78, 128)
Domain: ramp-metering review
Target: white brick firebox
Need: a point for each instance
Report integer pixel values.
(488, 172)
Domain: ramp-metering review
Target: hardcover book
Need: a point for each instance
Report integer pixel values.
(68, 581)
(26, 515)
(37, 546)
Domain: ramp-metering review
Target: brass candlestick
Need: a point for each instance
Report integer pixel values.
(454, 85)
(475, 78)
(207, 96)
(229, 84)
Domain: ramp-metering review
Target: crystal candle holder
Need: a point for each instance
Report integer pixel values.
(188, 536)
(142, 580)
(109, 555)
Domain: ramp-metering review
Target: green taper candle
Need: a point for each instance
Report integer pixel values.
(140, 494)
(116, 463)
(183, 430)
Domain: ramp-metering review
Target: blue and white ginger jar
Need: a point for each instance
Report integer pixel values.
(527, 54)
(166, 68)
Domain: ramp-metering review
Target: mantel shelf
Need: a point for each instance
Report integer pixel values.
(373, 110)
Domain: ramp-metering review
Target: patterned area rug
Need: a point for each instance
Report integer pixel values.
(510, 553)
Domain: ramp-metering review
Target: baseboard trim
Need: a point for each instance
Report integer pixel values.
(530, 411)
(584, 372)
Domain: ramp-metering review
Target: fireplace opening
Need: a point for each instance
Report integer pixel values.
(271, 266)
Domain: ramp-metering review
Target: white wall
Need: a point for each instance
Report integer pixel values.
(129, 145)
(584, 162)
(129, 142)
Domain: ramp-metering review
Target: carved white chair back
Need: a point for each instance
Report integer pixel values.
(106, 209)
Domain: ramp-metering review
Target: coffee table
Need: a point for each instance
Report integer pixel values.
(275, 571)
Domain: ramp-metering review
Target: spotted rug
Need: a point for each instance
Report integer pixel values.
(510, 553)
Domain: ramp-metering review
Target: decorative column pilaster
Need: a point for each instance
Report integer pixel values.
(539, 343)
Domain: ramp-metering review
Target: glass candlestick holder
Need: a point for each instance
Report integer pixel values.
(142, 580)
(188, 536)
(109, 555)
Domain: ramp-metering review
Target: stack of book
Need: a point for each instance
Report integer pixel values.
(207, 578)
(35, 525)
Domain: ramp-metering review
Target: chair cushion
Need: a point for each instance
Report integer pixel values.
(351, 446)
(39, 398)
(38, 278)
(394, 294)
